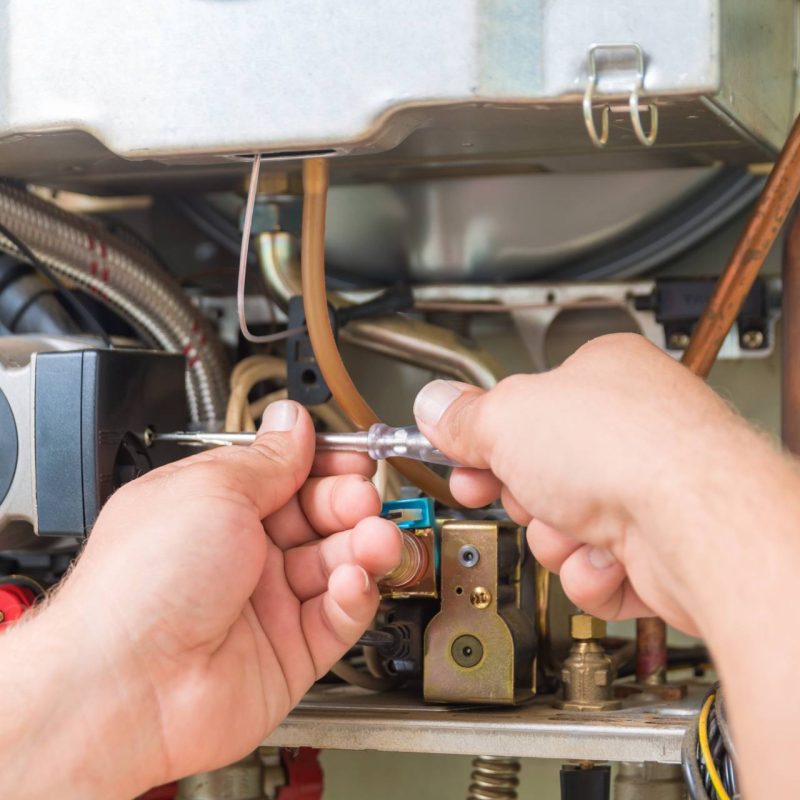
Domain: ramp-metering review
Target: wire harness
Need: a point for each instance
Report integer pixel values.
(708, 756)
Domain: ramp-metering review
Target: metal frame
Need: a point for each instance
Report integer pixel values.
(346, 718)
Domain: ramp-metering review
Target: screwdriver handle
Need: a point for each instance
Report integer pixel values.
(385, 441)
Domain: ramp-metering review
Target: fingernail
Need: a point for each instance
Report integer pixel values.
(600, 558)
(367, 580)
(434, 399)
(279, 416)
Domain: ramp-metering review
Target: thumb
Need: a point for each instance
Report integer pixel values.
(459, 419)
(276, 465)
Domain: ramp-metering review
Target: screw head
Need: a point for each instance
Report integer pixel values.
(467, 651)
(468, 555)
(752, 339)
(480, 597)
(679, 340)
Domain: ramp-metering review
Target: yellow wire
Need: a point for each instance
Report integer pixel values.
(705, 749)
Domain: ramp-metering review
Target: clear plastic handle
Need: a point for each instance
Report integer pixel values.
(384, 441)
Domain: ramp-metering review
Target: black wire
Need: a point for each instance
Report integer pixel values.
(83, 314)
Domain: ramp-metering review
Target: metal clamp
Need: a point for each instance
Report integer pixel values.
(601, 139)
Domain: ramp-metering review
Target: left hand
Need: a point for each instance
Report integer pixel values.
(212, 593)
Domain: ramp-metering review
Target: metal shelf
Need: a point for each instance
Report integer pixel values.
(346, 718)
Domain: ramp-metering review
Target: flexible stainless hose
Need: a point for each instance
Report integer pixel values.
(126, 278)
(494, 778)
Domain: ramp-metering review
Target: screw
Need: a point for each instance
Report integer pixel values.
(467, 651)
(480, 597)
(468, 555)
(678, 340)
(752, 339)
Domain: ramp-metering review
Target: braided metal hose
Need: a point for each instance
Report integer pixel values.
(494, 778)
(127, 278)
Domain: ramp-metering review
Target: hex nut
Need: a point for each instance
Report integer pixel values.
(584, 627)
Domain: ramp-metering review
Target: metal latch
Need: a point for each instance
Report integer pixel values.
(621, 65)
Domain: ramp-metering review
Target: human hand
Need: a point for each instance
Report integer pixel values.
(594, 457)
(214, 591)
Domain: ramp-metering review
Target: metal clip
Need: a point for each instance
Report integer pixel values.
(601, 139)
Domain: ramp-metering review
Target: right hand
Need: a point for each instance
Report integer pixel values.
(593, 457)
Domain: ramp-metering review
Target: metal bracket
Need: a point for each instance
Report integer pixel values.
(629, 57)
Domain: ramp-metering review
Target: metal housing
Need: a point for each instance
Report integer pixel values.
(141, 89)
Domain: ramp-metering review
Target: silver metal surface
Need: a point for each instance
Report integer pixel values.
(88, 89)
(499, 227)
(346, 718)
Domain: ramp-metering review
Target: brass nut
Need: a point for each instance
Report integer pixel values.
(584, 627)
(480, 597)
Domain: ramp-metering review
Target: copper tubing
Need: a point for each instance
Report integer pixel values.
(790, 327)
(315, 305)
(769, 214)
(755, 242)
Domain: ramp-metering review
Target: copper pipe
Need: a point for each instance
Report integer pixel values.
(755, 242)
(790, 338)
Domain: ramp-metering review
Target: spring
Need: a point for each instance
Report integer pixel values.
(494, 778)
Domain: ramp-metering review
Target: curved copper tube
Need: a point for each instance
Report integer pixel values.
(755, 242)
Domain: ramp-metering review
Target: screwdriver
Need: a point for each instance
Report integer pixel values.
(380, 441)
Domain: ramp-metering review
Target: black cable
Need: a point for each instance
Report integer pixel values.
(81, 312)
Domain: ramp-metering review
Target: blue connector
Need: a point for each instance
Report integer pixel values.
(414, 513)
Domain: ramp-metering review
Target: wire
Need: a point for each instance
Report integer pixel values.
(79, 310)
(502, 308)
(705, 749)
(247, 225)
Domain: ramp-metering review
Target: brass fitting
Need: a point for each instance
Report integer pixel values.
(583, 627)
(587, 673)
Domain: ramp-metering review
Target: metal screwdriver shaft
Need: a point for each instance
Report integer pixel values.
(380, 441)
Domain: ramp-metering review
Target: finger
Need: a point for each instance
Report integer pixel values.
(265, 474)
(374, 544)
(338, 502)
(330, 509)
(328, 462)
(474, 488)
(513, 507)
(550, 547)
(333, 621)
(597, 583)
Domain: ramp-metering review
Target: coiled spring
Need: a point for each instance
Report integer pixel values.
(494, 778)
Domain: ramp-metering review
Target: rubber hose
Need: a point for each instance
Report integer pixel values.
(320, 332)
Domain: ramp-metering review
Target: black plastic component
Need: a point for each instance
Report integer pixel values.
(28, 304)
(91, 410)
(303, 375)
(406, 620)
(678, 304)
(394, 299)
(9, 447)
(592, 783)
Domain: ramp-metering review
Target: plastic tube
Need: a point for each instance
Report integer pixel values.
(315, 304)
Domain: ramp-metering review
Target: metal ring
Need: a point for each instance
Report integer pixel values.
(647, 139)
(588, 117)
